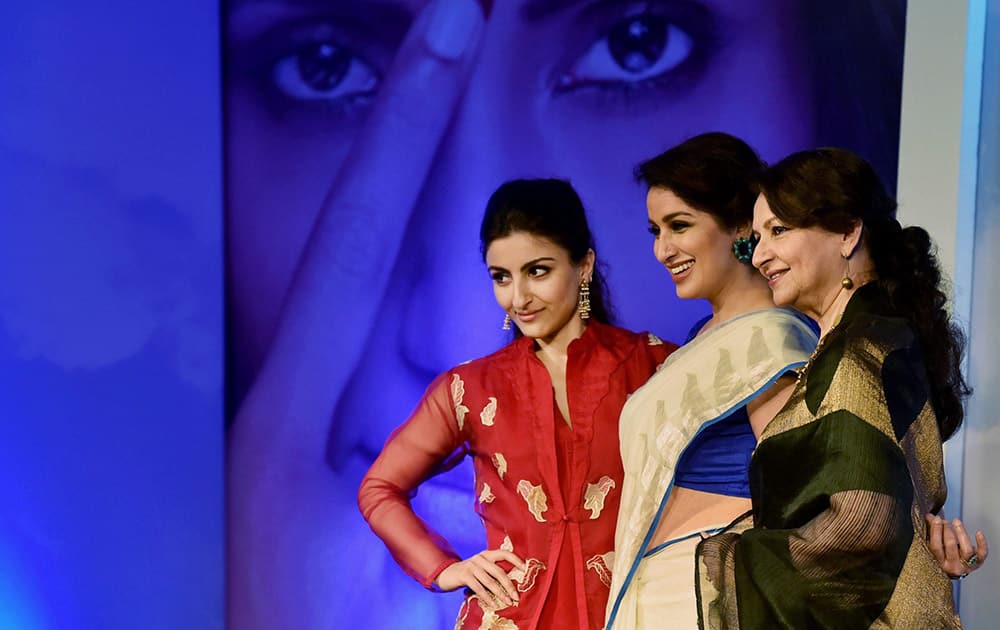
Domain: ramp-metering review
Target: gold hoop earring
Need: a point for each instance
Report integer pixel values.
(583, 308)
(506, 322)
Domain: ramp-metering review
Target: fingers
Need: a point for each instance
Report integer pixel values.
(509, 556)
(951, 546)
(950, 542)
(973, 556)
(935, 540)
(484, 577)
(400, 139)
(965, 548)
(344, 269)
(982, 547)
(943, 546)
(496, 580)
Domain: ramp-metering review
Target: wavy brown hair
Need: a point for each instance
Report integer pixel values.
(834, 189)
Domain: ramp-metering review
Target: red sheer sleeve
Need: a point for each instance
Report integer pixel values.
(427, 443)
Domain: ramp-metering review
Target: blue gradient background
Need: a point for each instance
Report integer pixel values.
(110, 316)
(112, 330)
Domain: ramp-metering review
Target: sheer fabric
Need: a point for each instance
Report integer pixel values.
(500, 411)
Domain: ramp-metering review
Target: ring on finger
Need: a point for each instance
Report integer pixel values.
(972, 561)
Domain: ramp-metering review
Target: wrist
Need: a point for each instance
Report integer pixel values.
(431, 581)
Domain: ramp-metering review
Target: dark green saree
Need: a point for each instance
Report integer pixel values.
(840, 481)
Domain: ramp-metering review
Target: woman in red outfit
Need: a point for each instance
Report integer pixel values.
(540, 420)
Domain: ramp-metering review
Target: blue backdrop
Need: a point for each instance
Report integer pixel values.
(110, 316)
(362, 140)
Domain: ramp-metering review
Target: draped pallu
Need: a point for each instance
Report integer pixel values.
(840, 481)
(700, 384)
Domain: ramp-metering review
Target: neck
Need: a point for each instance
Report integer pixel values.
(746, 292)
(827, 315)
(556, 346)
(830, 316)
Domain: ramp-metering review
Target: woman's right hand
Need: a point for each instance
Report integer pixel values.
(484, 577)
(951, 546)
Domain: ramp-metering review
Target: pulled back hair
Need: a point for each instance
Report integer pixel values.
(834, 189)
(549, 209)
(712, 172)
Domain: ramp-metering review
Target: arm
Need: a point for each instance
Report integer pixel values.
(763, 408)
(427, 441)
(413, 453)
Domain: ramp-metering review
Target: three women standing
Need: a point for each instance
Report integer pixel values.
(540, 419)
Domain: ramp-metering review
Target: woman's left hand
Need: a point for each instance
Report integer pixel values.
(951, 546)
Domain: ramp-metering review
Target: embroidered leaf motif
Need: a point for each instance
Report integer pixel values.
(493, 621)
(457, 394)
(489, 412)
(601, 565)
(507, 545)
(525, 579)
(486, 496)
(500, 462)
(463, 612)
(535, 497)
(596, 493)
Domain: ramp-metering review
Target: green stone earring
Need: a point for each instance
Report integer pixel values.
(743, 249)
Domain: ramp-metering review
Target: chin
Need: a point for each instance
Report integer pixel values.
(534, 331)
(781, 300)
(685, 293)
(541, 330)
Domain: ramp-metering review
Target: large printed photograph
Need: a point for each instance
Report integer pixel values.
(362, 142)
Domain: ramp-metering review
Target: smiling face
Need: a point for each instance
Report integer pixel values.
(535, 282)
(803, 265)
(692, 245)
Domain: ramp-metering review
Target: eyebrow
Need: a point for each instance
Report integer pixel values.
(532, 263)
(537, 10)
(673, 215)
(525, 266)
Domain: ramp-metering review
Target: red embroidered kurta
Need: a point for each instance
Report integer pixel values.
(559, 519)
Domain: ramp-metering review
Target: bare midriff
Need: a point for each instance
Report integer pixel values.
(690, 510)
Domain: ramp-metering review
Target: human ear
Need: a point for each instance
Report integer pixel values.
(587, 265)
(851, 240)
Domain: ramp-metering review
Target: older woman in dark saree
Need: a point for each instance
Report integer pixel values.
(845, 473)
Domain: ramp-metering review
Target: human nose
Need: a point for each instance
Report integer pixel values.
(761, 254)
(663, 249)
(522, 294)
